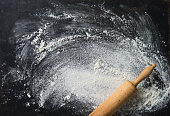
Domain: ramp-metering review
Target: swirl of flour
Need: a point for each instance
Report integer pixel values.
(76, 59)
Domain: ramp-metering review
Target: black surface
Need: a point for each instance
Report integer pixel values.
(13, 10)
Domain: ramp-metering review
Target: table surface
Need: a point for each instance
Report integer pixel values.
(169, 30)
(167, 110)
(168, 2)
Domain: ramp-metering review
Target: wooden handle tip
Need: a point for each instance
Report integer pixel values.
(153, 65)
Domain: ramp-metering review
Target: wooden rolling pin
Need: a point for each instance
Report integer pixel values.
(121, 95)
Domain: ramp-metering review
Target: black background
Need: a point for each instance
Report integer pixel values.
(13, 10)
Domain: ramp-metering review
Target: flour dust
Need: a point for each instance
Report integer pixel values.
(76, 55)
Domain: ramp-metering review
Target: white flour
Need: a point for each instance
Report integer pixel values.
(90, 71)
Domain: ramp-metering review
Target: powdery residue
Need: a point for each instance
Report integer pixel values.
(78, 60)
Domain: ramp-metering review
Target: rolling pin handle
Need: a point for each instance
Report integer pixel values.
(145, 73)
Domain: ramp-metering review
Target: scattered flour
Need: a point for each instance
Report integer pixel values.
(87, 62)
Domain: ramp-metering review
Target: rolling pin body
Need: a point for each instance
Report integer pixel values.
(121, 95)
(116, 100)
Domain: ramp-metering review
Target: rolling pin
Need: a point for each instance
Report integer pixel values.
(121, 95)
